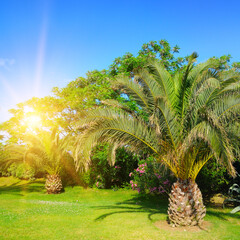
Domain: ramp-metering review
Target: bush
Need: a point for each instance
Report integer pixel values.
(21, 171)
(212, 179)
(102, 175)
(12, 170)
(150, 177)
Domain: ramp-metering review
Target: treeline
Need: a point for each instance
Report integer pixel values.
(47, 150)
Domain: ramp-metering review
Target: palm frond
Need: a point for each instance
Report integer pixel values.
(217, 141)
(121, 129)
(131, 88)
(163, 78)
(192, 117)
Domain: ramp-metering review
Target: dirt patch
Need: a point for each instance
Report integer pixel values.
(163, 224)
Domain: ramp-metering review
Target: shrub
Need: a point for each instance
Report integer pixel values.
(150, 177)
(102, 175)
(213, 179)
(12, 170)
(21, 171)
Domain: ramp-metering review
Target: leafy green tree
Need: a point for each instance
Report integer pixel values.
(47, 109)
(162, 51)
(190, 118)
(61, 109)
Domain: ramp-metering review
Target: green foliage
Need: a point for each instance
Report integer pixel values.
(185, 125)
(45, 153)
(64, 108)
(12, 169)
(213, 179)
(151, 177)
(86, 93)
(48, 151)
(128, 64)
(102, 175)
(21, 171)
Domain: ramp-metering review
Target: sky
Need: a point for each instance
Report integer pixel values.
(48, 43)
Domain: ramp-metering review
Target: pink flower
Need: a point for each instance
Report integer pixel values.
(130, 174)
(166, 182)
(157, 175)
(97, 183)
(161, 190)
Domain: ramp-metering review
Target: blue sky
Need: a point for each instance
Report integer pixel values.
(49, 43)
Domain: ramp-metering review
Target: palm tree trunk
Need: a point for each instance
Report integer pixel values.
(53, 184)
(186, 204)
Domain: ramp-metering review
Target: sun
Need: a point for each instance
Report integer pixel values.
(32, 121)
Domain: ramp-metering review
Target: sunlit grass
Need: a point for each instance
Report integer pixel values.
(26, 212)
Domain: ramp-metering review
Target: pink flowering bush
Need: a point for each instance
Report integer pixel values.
(101, 175)
(149, 178)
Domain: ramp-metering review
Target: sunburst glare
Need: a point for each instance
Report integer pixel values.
(32, 122)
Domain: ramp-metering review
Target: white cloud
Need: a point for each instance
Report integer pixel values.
(6, 63)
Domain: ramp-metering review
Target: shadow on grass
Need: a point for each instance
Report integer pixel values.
(154, 205)
(17, 188)
(216, 212)
(138, 204)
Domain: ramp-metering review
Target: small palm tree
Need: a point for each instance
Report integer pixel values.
(49, 152)
(45, 151)
(188, 119)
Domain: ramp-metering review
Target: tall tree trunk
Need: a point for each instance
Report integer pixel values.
(53, 184)
(186, 204)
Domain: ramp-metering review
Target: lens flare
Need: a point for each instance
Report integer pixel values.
(33, 121)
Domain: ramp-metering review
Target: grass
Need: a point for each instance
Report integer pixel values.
(26, 212)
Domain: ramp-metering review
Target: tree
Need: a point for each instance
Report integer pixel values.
(61, 109)
(190, 118)
(50, 152)
(45, 151)
(160, 50)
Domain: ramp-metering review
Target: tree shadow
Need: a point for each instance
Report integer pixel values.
(215, 212)
(138, 204)
(17, 188)
(153, 205)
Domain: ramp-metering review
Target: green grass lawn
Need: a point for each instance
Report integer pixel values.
(26, 212)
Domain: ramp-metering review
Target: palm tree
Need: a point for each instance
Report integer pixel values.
(45, 151)
(50, 152)
(189, 119)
